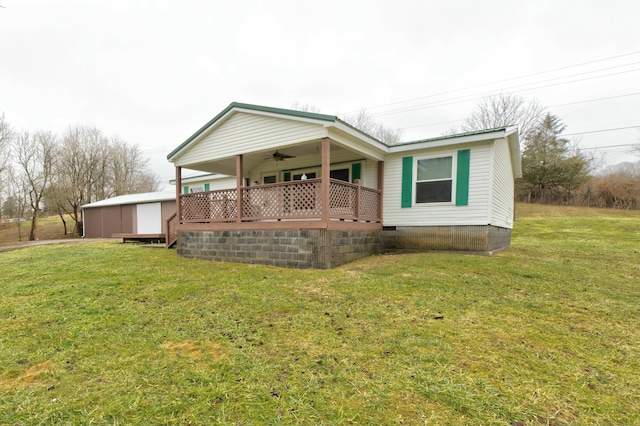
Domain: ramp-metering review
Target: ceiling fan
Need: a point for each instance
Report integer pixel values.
(278, 156)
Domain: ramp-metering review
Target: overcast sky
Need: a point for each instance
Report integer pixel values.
(153, 72)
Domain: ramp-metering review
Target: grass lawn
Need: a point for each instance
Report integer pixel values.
(545, 333)
(48, 228)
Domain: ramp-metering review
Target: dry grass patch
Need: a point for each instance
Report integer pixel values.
(37, 374)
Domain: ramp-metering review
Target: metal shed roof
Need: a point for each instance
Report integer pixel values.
(142, 198)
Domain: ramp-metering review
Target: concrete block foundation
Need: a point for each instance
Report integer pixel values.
(312, 248)
(325, 249)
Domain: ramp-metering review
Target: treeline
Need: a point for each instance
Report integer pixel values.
(57, 174)
(554, 169)
(616, 187)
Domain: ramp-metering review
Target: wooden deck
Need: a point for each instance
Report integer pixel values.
(140, 237)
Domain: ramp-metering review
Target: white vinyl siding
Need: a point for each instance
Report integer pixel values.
(439, 214)
(243, 132)
(503, 186)
(340, 158)
(220, 182)
(369, 174)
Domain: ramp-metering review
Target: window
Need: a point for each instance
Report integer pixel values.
(434, 180)
(269, 179)
(340, 174)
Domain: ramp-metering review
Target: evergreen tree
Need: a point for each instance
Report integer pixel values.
(551, 168)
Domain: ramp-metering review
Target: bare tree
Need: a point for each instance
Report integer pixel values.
(34, 157)
(6, 137)
(128, 169)
(90, 167)
(16, 202)
(80, 171)
(364, 122)
(55, 200)
(505, 110)
(305, 107)
(627, 168)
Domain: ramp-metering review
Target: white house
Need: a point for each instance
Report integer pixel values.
(205, 182)
(302, 189)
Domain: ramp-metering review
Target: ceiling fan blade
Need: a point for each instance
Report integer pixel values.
(278, 156)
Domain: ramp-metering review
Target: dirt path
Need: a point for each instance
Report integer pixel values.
(27, 244)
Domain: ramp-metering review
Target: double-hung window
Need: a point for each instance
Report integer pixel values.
(431, 180)
(434, 180)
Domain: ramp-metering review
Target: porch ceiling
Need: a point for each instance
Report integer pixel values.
(251, 160)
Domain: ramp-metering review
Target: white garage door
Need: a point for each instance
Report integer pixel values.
(149, 218)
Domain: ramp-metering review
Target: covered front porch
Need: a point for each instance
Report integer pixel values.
(317, 222)
(305, 203)
(299, 190)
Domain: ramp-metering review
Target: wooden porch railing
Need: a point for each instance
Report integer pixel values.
(301, 199)
(172, 231)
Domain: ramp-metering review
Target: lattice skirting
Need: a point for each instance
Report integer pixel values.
(481, 238)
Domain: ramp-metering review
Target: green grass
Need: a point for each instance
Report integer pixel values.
(48, 228)
(545, 333)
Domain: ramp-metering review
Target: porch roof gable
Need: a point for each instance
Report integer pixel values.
(237, 106)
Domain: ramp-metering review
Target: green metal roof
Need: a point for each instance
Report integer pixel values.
(320, 117)
(457, 135)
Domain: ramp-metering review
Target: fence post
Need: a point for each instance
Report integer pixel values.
(239, 184)
(178, 192)
(358, 195)
(325, 183)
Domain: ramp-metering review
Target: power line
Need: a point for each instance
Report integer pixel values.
(603, 130)
(594, 100)
(626, 145)
(550, 106)
(505, 80)
(430, 124)
(468, 98)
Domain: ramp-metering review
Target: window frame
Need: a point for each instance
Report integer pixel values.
(275, 175)
(452, 179)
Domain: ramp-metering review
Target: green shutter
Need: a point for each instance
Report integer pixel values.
(407, 182)
(206, 187)
(356, 171)
(185, 189)
(462, 178)
(286, 176)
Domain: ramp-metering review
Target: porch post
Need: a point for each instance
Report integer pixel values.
(325, 188)
(178, 192)
(380, 187)
(358, 182)
(239, 182)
